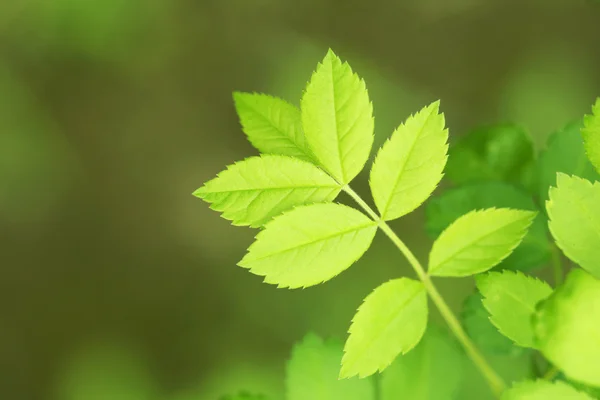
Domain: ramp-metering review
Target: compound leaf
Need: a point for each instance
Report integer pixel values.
(476, 320)
(543, 390)
(433, 370)
(253, 191)
(309, 245)
(567, 329)
(409, 166)
(564, 153)
(312, 373)
(511, 297)
(573, 210)
(391, 321)
(272, 125)
(591, 135)
(501, 152)
(442, 210)
(337, 117)
(478, 241)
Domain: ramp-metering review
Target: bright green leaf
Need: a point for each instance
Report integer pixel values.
(543, 390)
(564, 153)
(591, 135)
(309, 245)
(478, 241)
(476, 320)
(312, 373)
(567, 327)
(272, 125)
(432, 371)
(337, 117)
(253, 191)
(410, 164)
(441, 211)
(391, 321)
(511, 297)
(574, 212)
(501, 152)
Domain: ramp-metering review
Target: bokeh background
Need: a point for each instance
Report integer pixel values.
(112, 112)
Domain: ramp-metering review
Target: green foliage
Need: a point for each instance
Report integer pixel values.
(591, 135)
(575, 220)
(493, 153)
(543, 390)
(391, 321)
(337, 117)
(309, 245)
(477, 323)
(567, 329)
(564, 153)
(510, 298)
(432, 371)
(409, 165)
(442, 210)
(312, 154)
(312, 373)
(478, 241)
(272, 125)
(253, 191)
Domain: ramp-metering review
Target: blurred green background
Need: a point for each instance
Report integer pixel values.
(113, 111)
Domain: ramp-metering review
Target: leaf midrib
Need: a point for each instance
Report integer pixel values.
(320, 239)
(328, 186)
(336, 123)
(402, 168)
(396, 315)
(270, 122)
(472, 242)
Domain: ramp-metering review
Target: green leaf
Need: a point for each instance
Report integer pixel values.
(441, 211)
(591, 135)
(543, 390)
(476, 320)
(432, 371)
(391, 321)
(501, 152)
(337, 117)
(478, 241)
(253, 191)
(409, 166)
(574, 212)
(312, 373)
(567, 327)
(511, 297)
(272, 125)
(309, 245)
(564, 153)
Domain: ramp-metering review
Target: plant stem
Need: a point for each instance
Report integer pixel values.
(557, 266)
(494, 381)
(551, 374)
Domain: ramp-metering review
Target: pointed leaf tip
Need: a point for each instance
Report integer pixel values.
(390, 322)
(478, 241)
(410, 165)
